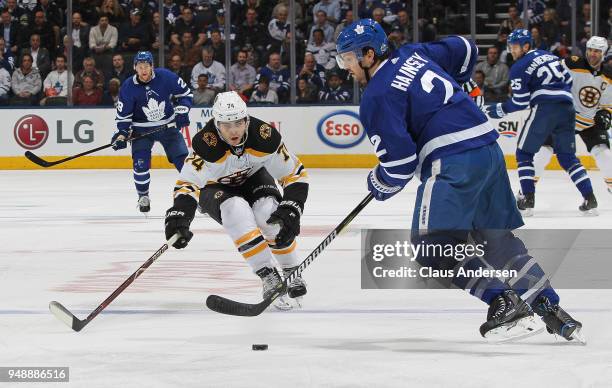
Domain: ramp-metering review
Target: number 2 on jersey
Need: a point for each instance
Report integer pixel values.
(427, 84)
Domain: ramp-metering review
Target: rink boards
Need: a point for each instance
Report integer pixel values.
(323, 136)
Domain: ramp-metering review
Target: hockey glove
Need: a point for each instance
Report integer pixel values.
(182, 116)
(177, 221)
(380, 189)
(603, 119)
(472, 89)
(495, 111)
(119, 139)
(287, 215)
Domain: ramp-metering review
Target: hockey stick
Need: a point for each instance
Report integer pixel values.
(227, 306)
(77, 324)
(45, 163)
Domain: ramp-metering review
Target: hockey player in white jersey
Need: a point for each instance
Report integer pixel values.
(592, 94)
(231, 173)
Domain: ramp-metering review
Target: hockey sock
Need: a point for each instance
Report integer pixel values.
(541, 160)
(526, 171)
(286, 256)
(239, 222)
(577, 172)
(142, 177)
(603, 157)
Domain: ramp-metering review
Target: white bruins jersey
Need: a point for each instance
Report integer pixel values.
(591, 90)
(214, 161)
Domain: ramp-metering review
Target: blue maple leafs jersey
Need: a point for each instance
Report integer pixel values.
(414, 112)
(538, 76)
(456, 55)
(150, 105)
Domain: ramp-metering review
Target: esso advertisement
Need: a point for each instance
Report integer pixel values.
(341, 129)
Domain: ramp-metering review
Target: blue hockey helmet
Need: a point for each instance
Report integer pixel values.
(359, 35)
(519, 36)
(143, 56)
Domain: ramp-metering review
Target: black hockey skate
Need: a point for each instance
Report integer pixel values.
(525, 203)
(589, 206)
(558, 321)
(297, 288)
(509, 318)
(272, 281)
(144, 204)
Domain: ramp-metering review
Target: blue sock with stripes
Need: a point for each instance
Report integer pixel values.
(526, 171)
(577, 172)
(142, 177)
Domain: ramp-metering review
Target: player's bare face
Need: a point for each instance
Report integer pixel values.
(348, 61)
(233, 131)
(594, 57)
(516, 50)
(144, 71)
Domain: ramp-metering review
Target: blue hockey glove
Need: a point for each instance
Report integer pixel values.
(495, 111)
(119, 139)
(182, 116)
(379, 188)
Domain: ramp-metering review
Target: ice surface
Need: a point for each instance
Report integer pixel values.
(74, 236)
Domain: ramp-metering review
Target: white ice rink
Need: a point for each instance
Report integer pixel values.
(74, 236)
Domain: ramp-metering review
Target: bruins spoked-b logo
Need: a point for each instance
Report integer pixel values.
(265, 131)
(218, 194)
(210, 139)
(589, 96)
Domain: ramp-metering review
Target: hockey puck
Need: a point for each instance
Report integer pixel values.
(260, 347)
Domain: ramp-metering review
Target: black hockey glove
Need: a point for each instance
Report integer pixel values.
(603, 119)
(287, 215)
(177, 221)
(119, 139)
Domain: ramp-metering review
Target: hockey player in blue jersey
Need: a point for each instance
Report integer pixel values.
(422, 123)
(145, 104)
(539, 80)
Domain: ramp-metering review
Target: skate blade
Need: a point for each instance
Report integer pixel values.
(297, 301)
(281, 304)
(578, 336)
(590, 213)
(526, 212)
(523, 328)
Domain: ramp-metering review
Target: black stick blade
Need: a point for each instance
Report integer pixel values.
(227, 306)
(66, 316)
(37, 160)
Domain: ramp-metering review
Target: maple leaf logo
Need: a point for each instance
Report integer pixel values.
(154, 110)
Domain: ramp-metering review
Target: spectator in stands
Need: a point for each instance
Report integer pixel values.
(87, 12)
(88, 94)
(479, 78)
(80, 40)
(253, 56)
(113, 11)
(55, 87)
(322, 24)
(331, 9)
(502, 47)
(403, 22)
(171, 11)
(549, 28)
(89, 68)
(52, 14)
(214, 69)
(252, 32)
(5, 86)
(496, 76)
(219, 25)
(312, 72)
(538, 42)
(189, 53)
(145, 11)
(40, 56)
(324, 52)
(378, 14)
(155, 32)
(217, 45)
(306, 93)
(278, 28)
(514, 20)
(396, 38)
(25, 83)
(103, 37)
(263, 93)
(134, 35)
(348, 19)
(15, 10)
(118, 69)
(7, 60)
(177, 67)
(44, 30)
(334, 92)
(203, 94)
(10, 31)
(111, 96)
(242, 75)
(186, 23)
(277, 77)
(583, 22)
